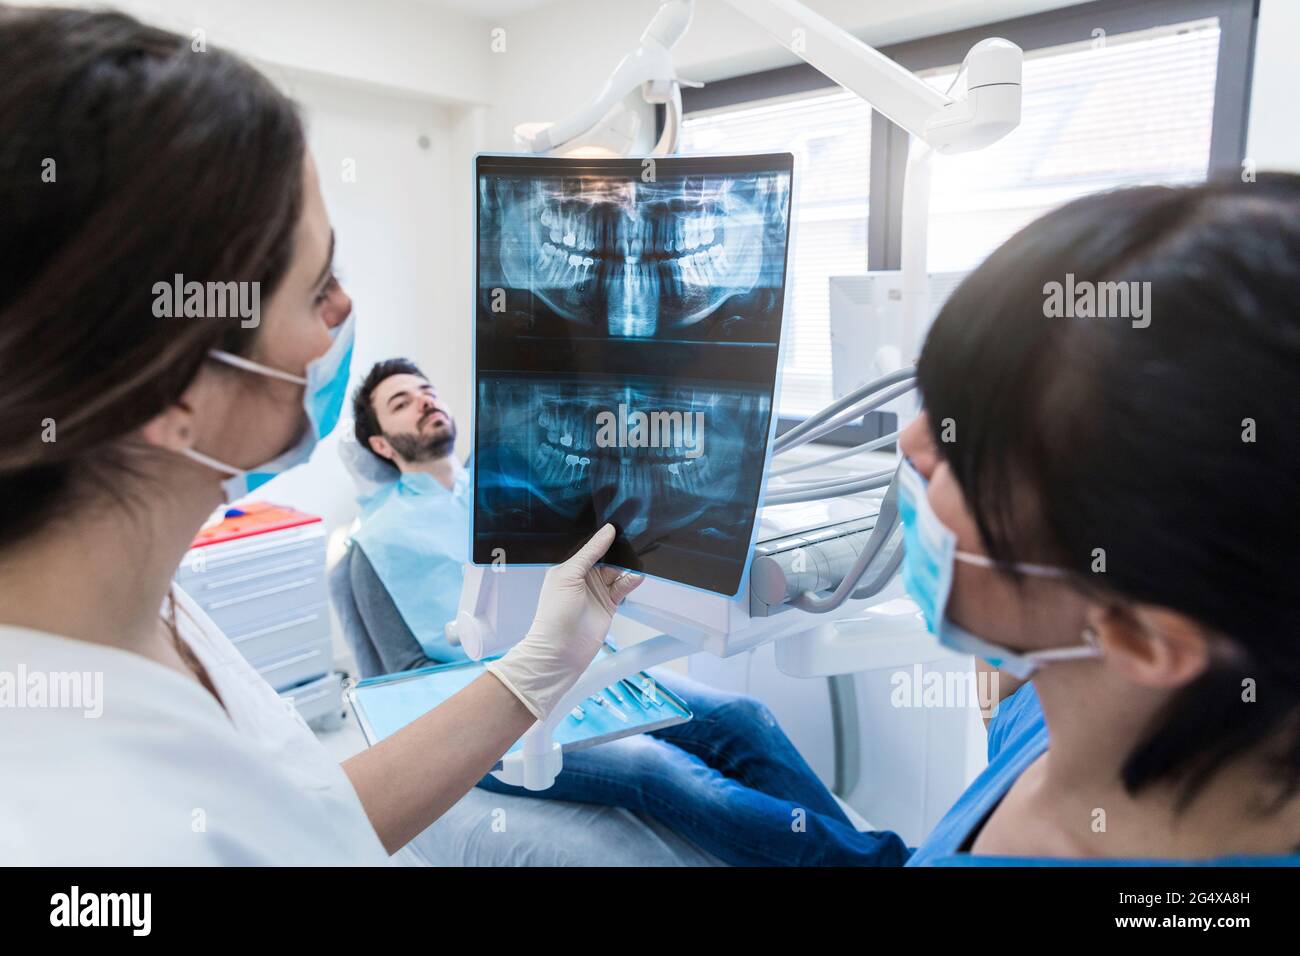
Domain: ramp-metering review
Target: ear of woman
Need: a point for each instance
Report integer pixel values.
(1149, 645)
(173, 428)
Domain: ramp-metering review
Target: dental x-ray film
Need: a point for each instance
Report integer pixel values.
(628, 325)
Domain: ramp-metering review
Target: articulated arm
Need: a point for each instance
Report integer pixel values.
(987, 110)
(985, 107)
(649, 66)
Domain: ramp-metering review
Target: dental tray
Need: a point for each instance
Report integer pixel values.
(384, 705)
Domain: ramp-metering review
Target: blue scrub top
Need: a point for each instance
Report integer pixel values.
(416, 534)
(1018, 737)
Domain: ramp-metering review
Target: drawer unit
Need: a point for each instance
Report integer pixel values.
(260, 576)
(243, 582)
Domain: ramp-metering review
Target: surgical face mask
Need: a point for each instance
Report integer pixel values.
(929, 557)
(324, 389)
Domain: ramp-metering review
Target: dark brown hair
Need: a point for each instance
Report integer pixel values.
(1168, 446)
(364, 417)
(126, 158)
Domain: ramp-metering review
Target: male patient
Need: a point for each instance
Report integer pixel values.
(414, 532)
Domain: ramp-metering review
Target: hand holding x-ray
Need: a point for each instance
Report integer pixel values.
(574, 611)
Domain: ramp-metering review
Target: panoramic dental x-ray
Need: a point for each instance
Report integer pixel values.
(628, 330)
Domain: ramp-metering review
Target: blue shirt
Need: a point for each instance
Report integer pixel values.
(416, 534)
(1018, 737)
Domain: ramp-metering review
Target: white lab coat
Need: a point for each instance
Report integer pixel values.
(165, 776)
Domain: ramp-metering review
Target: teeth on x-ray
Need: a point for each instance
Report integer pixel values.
(664, 486)
(638, 257)
(627, 344)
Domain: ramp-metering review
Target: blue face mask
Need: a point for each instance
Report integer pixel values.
(929, 556)
(324, 390)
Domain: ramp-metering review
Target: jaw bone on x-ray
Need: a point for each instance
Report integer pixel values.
(628, 324)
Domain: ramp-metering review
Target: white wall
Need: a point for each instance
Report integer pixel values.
(1273, 141)
(414, 46)
(395, 250)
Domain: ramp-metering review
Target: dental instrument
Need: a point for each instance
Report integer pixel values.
(599, 699)
(635, 693)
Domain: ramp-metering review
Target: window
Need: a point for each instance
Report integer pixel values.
(829, 133)
(1115, 94)
(1118, 111)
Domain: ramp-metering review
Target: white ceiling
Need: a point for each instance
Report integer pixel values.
(489, 9)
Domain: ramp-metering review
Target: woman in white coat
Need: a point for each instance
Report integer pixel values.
(129, 160)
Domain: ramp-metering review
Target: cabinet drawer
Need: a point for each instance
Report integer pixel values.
(211, 588)
(297, 664)
(280, 633)
(227, 563)
(237, 613)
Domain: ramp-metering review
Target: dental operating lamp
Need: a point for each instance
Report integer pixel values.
(828, 567)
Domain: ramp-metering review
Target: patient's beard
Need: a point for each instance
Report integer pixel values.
(417, 448)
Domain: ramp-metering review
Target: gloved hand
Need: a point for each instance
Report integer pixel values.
(576, 606)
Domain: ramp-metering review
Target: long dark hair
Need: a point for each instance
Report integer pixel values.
(126, 157)
(1160, 462)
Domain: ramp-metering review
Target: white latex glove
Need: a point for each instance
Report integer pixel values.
(576, 606)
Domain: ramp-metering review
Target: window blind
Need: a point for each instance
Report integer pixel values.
(1112, 111)
(829, 133)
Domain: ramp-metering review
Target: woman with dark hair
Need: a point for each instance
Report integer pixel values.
(127, 160)
(1102, 503)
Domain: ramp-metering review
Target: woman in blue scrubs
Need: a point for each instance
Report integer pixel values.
(1099, 502)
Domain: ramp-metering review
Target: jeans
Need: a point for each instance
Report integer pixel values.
(728, 780)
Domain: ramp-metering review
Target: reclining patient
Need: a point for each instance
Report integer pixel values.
(728, 782)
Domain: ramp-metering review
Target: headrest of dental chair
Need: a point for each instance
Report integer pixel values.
(369, 472)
